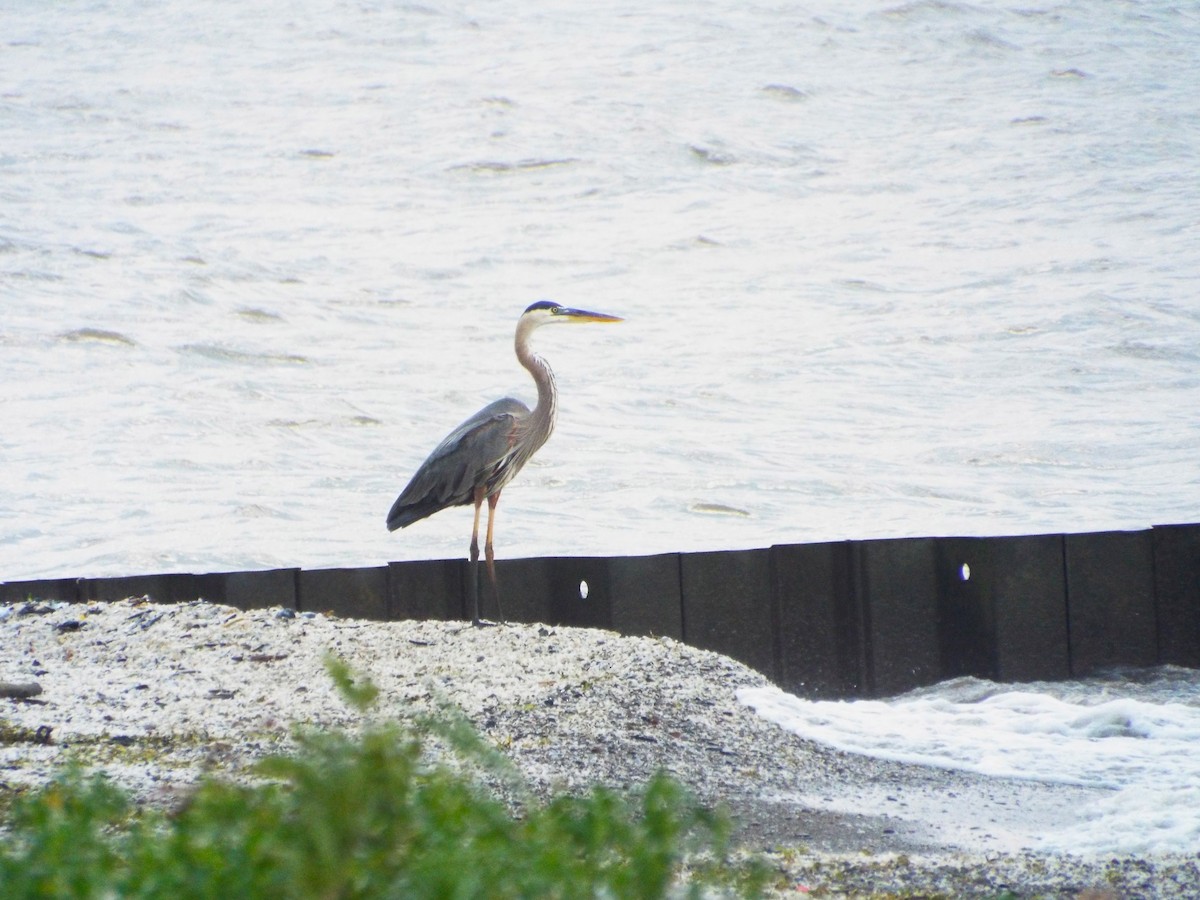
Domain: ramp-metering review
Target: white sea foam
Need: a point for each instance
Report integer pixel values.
(1136, 738)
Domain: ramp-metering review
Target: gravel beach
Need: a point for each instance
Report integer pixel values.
(159, 695)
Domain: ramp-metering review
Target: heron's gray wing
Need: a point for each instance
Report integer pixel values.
(464, 459)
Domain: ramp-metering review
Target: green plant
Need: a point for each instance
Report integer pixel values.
(369, 816)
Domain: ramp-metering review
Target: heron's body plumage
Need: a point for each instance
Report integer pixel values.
(481, 452)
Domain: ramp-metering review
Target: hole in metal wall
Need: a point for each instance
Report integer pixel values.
(965, 572)
(583, 590)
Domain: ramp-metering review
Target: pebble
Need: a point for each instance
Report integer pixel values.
(157, 695)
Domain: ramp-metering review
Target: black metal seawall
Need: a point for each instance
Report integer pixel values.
(840, 619)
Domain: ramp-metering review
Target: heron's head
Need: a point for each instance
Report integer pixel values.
(546, 312)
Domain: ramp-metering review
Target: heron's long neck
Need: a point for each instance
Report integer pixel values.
(542, 417)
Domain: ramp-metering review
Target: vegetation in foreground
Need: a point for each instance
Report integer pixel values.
(369, 816)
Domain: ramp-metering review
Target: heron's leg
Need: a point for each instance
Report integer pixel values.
(474, 579)
(490, 554)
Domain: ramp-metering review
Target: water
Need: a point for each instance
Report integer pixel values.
(1132, 733)
(888, 269)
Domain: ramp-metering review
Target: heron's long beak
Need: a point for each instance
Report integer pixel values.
(582, 315)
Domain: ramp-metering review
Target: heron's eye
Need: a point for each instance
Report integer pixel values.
(557, 310)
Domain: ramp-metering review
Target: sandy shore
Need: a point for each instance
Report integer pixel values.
(158, 695)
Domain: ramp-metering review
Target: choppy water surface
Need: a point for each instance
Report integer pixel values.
(888, 269)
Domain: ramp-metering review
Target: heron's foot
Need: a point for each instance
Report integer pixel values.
(484, 623)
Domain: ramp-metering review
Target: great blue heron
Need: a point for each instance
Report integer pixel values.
(479, 457)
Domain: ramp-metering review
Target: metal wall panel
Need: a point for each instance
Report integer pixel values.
(1177, 593)
(160, 588)
(250, 590)
(1110, 600)
(729, 605)
(896, 581)
(821, 651)
(1004, 607)
(645, 596)
(351, 593)
(426, 589)
(62, 590)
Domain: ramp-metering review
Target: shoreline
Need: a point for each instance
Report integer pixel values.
(159, 695)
